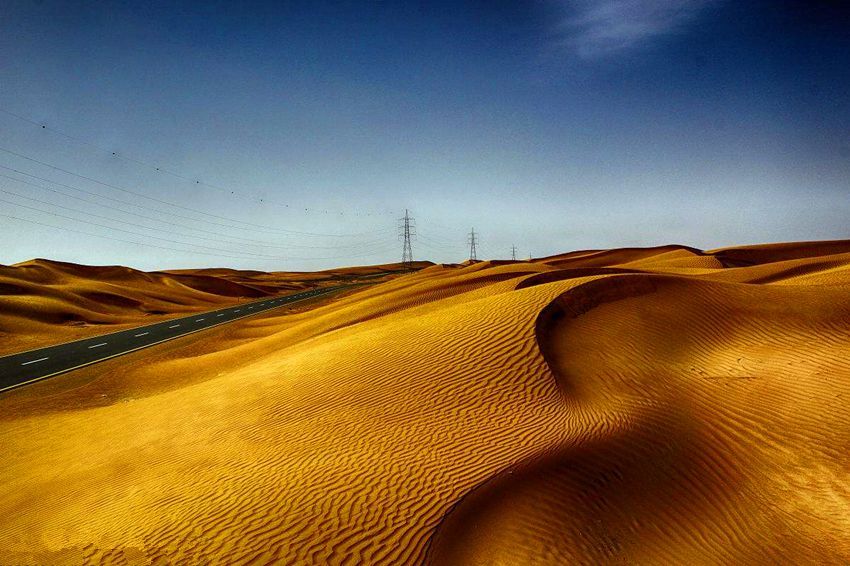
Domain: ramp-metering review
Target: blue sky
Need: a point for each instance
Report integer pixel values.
(292, 137)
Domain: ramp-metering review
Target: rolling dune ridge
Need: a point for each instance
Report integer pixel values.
(44, 302)
(645, 405)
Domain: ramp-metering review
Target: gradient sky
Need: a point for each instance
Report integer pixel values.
(553, 125)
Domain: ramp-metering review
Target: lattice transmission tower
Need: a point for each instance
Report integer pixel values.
(406, 231)
(513, 253)
(473, 246)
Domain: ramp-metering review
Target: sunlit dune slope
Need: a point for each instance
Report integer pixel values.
(46, 302)
(640, 406)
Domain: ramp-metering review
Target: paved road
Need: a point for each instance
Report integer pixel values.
(34, 365)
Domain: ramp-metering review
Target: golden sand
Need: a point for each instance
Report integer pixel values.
(649, 406)
(45, 302)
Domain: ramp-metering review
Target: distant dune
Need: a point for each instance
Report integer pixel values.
(634, 406)
(45, 302)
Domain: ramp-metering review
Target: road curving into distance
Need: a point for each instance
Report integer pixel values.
(34, 365)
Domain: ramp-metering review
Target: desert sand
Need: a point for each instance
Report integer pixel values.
(45, 302)
(633, 406)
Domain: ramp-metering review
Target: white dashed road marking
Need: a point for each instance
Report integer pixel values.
(98, 345)
(34, 361)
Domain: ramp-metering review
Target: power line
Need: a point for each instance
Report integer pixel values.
(247, 225)
(149, 245)
(243, 255)
(407, 227)
(234, 240)
(168, 171)
(433, 248)
(125, 222)
(439, 242)
(115, 239)
(151, 218)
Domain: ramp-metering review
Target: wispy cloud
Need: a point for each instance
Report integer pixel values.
(599, 28)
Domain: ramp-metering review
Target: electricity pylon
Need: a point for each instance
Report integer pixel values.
(473, 243)
(513, 253)
(406, 229)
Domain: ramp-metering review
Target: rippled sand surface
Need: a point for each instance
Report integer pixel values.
(634, 406)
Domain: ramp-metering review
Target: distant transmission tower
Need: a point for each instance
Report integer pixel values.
(473, 243)
(513, 253)
(406, 229)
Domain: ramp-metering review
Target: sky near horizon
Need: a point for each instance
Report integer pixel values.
(291, 136)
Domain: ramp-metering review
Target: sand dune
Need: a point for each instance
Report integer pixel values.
(45, 302)
(770, 253)
(636, 406)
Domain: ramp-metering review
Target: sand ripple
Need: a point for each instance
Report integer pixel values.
(618, 406)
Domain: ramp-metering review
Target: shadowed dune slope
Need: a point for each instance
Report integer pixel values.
(638, 409)
(769, 253)
(622, 256)
(706, 422)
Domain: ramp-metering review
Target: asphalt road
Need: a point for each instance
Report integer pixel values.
(34, 365)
